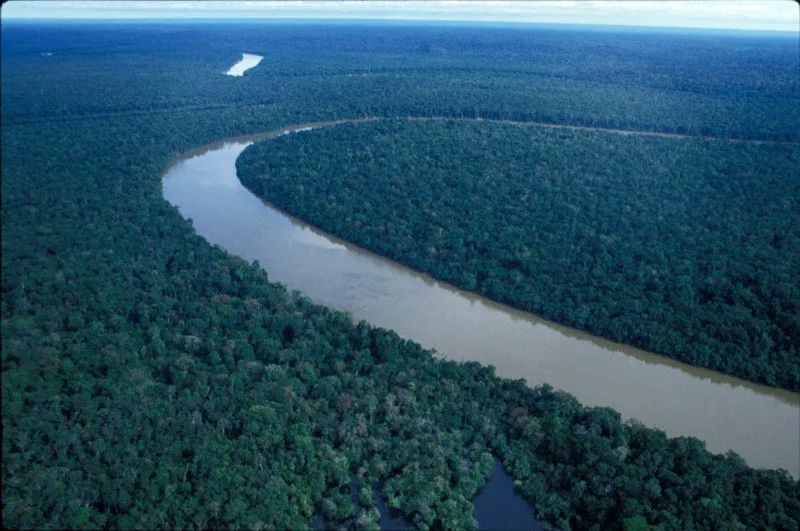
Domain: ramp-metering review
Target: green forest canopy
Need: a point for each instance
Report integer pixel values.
(685, 247)
(152, 380)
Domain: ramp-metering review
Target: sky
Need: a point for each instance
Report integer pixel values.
(782, 15)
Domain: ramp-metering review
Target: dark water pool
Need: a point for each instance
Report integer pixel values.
(497, 507)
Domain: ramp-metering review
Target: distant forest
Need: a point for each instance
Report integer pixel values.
(152, 380)
(686, 247)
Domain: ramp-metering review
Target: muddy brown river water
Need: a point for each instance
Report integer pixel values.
(760, 423)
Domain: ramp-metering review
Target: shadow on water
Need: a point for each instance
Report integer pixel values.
(497, 507)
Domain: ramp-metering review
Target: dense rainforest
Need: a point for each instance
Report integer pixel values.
(682, 246)
(152, 380)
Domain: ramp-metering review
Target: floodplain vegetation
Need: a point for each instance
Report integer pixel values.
(152, 380)
(681, 246)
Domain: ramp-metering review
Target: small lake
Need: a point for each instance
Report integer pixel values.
(247, 62)
(760, 423)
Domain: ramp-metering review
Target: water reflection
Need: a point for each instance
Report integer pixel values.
(760, 423)
(247, 62)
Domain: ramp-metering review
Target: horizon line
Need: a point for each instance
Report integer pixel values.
(385, 20)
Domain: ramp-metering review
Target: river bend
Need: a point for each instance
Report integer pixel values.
(760, 423)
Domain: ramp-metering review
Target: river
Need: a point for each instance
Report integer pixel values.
(760, 423)
(247, 62)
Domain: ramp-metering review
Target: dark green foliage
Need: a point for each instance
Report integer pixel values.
(151, 380)
(681, 246)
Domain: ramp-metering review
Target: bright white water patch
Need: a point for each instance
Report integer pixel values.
(296, 130)
(248, 61)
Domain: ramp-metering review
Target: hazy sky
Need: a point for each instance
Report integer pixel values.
(735, 14)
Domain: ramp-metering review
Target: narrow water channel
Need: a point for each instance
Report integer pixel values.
(761, 424)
